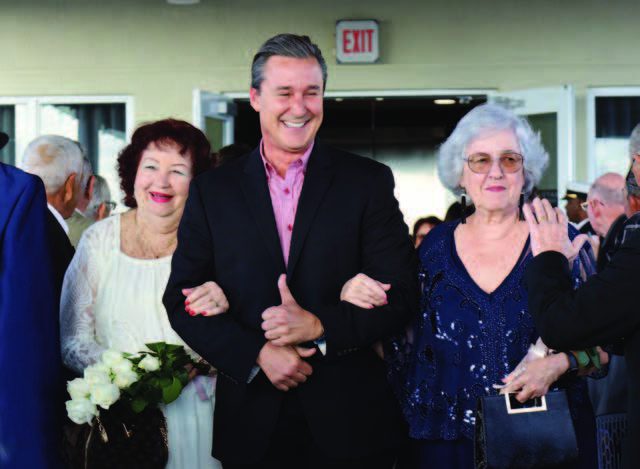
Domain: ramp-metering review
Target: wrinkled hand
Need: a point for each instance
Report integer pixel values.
(284, 366)
(536, 376)
(289, 324)
(365, 292)
(548, 229)
(208, 299)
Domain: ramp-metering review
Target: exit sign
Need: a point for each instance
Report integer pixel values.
(357, 41)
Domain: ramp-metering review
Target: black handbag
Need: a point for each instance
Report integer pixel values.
(118, 439)
(536, 434)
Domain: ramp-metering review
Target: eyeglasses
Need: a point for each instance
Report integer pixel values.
(585, 205)
(509, 162)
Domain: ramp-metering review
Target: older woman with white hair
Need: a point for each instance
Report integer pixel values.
(473, 327)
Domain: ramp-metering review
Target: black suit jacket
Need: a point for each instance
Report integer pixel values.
(347, 221)
(602, 310)
(62, 251)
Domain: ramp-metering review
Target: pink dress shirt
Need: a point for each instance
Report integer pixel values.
(285, 193)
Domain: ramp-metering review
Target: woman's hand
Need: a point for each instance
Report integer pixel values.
(365, 292)
(208, 299)
(536, 376)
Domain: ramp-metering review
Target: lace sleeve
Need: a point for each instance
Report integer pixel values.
(77, 305)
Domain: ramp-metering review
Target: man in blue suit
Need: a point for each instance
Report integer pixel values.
(29, 338)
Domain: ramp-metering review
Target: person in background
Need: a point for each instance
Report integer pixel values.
(59, 162)
(78, 222)
(112, 294)
(422, 226)
(100, 206)
(605, 206)
(29, 420)
(575, 196)
(474, 333)
(602, 310)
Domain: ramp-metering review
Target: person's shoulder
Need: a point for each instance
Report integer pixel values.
(14, 181)
(350, 160)
(226, 173)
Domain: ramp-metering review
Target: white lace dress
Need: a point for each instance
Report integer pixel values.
(111, 300)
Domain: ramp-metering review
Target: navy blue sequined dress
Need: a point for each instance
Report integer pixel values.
(463, 342)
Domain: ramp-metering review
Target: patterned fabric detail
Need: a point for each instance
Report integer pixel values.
(611, 430)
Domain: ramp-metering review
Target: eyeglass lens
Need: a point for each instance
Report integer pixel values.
(509, 162)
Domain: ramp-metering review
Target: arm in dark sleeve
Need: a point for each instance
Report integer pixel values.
(388, 256)
(221, 340)
(602, 310)
(30, 364)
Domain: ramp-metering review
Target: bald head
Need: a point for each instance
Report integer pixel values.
(606, 201)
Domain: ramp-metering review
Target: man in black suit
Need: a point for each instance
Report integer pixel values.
(601, 311)
(300, 385)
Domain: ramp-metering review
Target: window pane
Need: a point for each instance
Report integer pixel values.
(8, 126)
(616, 116)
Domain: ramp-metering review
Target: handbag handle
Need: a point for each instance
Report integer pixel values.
(535, 408)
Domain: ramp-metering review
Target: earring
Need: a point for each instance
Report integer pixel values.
(520, 212)
(463, 203)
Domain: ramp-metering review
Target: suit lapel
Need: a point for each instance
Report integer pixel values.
(316, 182)
(256, 192)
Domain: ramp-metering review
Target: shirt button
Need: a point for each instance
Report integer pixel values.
(286, 191)
(290, 227)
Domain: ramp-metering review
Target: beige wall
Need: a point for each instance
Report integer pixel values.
(160, 53)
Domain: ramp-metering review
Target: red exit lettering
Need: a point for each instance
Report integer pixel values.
(355, 41)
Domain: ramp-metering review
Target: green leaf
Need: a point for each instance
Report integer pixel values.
(171, 393)
(158, 347)
(138, 404)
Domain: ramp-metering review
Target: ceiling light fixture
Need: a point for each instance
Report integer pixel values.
(444, 101)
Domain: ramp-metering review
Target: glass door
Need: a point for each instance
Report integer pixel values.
(551, 112)
(214, 114)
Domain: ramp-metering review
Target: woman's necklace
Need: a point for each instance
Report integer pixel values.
(147, 248)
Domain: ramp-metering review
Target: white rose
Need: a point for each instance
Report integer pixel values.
(123, 366)
(104, 394)
(112, 357)
(97, 374)
(149, 363)
(79, 389)
(125, 378)
(81, 410)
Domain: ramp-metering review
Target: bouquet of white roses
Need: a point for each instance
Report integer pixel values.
(144, 379)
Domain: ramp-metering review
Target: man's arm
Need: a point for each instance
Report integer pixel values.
(602, 310)
(221, 340)
(387, 255)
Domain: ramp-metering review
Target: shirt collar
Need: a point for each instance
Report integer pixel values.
(56, 214)
(301, 162)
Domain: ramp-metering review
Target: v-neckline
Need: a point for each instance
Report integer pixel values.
(464, 273)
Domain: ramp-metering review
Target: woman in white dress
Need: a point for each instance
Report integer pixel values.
(112, 292)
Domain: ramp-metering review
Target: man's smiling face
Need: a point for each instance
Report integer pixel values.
(290, 105)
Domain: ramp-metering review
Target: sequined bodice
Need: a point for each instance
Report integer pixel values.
(463, 341)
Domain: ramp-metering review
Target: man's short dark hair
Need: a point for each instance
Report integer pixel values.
(286, 45)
